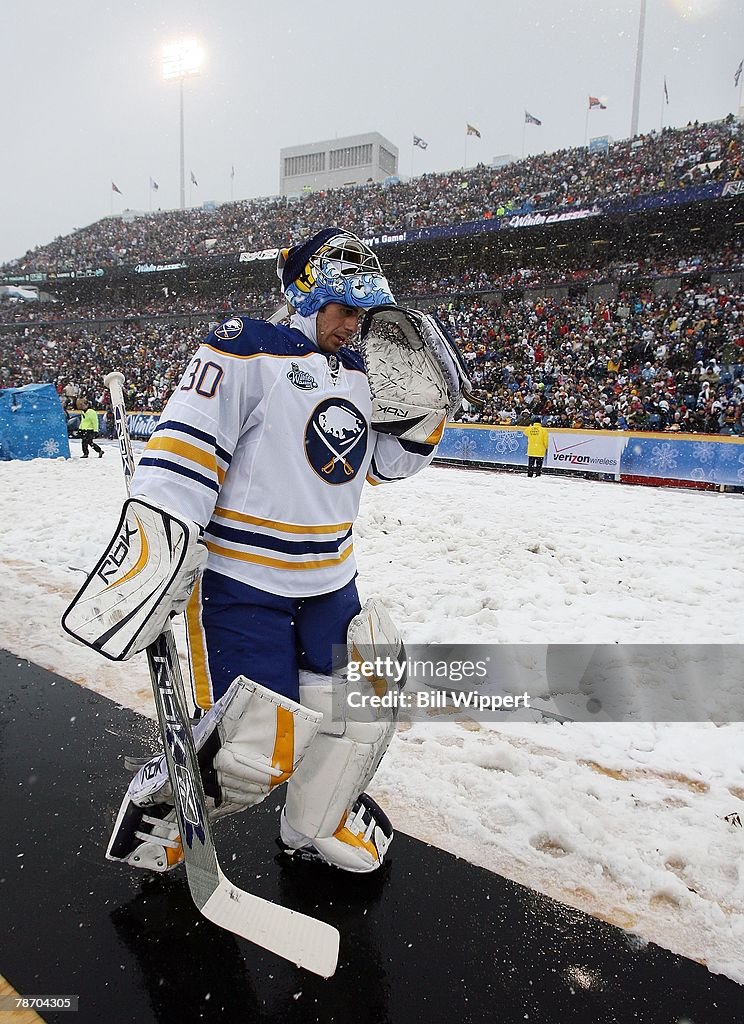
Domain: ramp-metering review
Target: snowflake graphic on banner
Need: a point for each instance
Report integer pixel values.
(704, 475)
(664, 457)
(50, 447)
(465, 448)
(705, 451)
(504, 441)
(730, 453)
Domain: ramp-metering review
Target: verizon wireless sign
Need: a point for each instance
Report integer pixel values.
(579, 453)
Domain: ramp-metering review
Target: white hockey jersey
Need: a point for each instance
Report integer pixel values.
(266, 444)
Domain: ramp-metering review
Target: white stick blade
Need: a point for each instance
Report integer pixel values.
(303, 940)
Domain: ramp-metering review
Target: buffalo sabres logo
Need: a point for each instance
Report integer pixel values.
(302, 380)
(230, 329)
(336, 440)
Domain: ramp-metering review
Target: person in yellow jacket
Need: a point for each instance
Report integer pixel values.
(88, 428)
(537, 445)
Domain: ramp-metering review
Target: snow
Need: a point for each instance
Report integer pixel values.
(624, 821)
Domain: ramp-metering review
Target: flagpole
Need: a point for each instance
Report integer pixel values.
(524, 133)
(741, 86)
(149, 189)
(586, 126)
(413, 146)
(464, 166)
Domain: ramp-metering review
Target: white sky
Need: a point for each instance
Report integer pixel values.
(84, 104)
(625, 821)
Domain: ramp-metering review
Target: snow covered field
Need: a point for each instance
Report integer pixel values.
(626, 822)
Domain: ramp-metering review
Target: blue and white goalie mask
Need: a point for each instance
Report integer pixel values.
(333, 266)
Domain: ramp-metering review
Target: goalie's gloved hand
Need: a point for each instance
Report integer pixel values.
(416, 374)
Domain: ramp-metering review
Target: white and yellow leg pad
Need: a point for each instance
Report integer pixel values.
(249, 742)
(262, 740)
(326, 809)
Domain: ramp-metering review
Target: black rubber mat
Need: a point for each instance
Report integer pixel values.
(433, 939)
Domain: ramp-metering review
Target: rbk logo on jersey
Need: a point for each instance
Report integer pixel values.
(336, 440)
(230, 329)
(301, 379)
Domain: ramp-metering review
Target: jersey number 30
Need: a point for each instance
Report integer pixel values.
(203, 379)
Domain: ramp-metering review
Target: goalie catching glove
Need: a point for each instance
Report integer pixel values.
(145, 576)
(416, 373)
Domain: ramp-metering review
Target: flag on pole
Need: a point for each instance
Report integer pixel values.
(115, 188)
(594, 101)
(666, 91)
(530, 118)
(232, 171)
(418, 141)
(472, 130)
(737, 73)
(154, 185)
(193, 180)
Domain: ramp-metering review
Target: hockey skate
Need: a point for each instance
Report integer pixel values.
(250, 741)
(146, 837)
(359, 844)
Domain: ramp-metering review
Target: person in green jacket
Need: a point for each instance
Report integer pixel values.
(88, 428)
(537, 445)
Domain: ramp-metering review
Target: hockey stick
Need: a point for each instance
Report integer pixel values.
(303, 940)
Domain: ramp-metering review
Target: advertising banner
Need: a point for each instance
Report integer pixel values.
(694, 458)
(590, 453)
(142, 424)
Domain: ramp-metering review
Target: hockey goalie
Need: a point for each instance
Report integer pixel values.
(241, 514)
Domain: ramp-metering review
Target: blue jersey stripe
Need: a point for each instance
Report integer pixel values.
(381, 476)
(182, 471)
(200, 435)
(289, 547)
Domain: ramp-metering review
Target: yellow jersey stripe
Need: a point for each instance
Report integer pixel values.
(187, 451)
(257, 355)
(279, 563)
(274, 524)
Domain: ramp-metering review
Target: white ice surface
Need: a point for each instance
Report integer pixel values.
(623, 821)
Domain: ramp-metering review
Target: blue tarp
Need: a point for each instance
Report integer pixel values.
(32, 423)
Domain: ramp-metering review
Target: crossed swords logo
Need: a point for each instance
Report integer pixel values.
(338, 456)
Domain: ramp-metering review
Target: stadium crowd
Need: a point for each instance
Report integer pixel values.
(569, 178)
(408, 286)
(640, 361)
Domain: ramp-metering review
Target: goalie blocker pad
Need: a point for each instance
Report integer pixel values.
(416, 373)
(145, 575)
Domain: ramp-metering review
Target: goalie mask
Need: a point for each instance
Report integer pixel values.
(333, 266)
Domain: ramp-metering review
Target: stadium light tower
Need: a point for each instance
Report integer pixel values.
(638, 70)
(182, 60)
